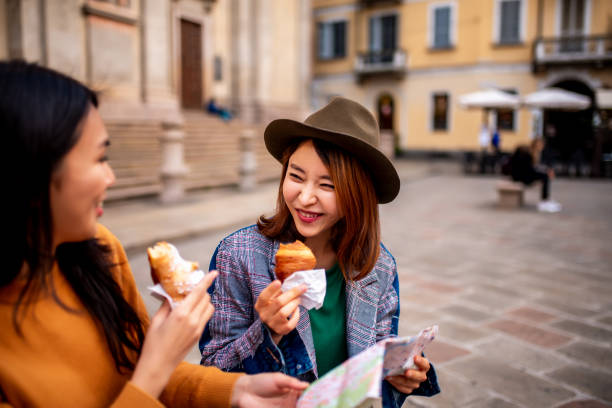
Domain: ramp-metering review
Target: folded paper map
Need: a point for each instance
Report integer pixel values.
(357, 382)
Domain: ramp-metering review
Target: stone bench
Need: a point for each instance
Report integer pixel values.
(510, 194)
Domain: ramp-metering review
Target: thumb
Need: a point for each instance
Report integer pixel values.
(286, 382)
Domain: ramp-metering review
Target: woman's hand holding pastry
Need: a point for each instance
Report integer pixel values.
(411, 379)
(279, 310)
(171, 335)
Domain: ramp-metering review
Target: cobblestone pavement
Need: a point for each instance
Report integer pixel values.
(523, 299)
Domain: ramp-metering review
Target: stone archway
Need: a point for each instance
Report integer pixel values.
(569, 135)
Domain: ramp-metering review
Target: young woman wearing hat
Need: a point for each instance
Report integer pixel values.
(75, 331)
(332, 181)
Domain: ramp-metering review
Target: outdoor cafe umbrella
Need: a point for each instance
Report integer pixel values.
(489, 99)
(556, 98)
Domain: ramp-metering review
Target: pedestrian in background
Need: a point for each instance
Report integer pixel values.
(523, 169)
(484, 141)
(333, 179)
(75, 331)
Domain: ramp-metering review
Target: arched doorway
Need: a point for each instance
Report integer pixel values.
(386, 110)
(569, 135)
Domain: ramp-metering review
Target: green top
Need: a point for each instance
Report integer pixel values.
(329, 324)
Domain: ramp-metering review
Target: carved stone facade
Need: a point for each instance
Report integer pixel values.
(156, 64)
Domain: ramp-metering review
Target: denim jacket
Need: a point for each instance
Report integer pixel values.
(235, 339)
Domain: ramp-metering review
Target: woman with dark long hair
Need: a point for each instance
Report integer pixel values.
(75, 331)
(333, 178)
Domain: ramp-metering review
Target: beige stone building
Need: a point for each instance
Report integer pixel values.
(156, 63)
(410, 60)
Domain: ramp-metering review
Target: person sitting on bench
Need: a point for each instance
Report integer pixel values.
(522, 169)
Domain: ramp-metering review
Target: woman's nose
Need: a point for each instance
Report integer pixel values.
(307, 195)
(110, 176)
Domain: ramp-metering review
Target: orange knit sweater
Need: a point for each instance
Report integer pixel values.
(62, 359)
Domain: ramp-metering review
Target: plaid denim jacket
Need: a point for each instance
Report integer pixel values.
(235, 339)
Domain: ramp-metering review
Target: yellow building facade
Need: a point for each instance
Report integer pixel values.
(409, 61)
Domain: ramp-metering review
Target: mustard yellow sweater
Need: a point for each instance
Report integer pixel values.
(62, 359)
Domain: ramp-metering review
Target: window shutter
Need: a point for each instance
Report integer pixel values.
(441, 27)
(389, 33)
(375, 37)
(340, 39)
(510, 21)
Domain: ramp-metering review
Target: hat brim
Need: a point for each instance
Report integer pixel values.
(282, 133)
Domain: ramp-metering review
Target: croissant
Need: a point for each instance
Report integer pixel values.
(292, 258)
(170, 270)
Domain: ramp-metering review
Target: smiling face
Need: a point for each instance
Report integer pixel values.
(310, 195)
(79, 184)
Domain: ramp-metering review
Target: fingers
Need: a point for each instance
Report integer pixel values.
(291, 294)
(199, 291)
(270, 292)
(422, 363)
(403, 384)
(411, 379)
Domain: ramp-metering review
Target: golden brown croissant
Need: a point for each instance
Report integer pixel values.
(292, 258)
(170, 270)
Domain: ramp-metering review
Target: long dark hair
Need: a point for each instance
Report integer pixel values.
(356, 237)
(41, 112)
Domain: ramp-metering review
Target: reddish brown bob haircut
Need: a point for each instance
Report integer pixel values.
(355, 237)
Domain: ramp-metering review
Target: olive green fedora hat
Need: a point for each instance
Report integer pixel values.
(348, 125)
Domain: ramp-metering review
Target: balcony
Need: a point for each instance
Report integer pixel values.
(374, 3)
(594, 51)
(386, 63)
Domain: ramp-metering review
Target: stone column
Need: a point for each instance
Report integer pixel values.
(173, 168)
(244, 70)
(305, 56)
(248, 161)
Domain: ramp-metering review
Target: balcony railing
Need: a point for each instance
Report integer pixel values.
(566, 51)
(372, 3)
(386, 62)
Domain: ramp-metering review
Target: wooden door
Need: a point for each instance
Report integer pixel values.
(191, 65)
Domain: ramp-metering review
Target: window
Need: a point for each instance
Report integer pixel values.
(331, 40)
(573, 13)
(510, 24)
(505, 117)
(383, 37)
(441, 20)
(440, 111)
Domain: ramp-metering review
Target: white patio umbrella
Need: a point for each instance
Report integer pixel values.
(489, 99)
(556, 98)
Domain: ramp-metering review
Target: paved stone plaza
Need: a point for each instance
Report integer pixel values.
(523, 299)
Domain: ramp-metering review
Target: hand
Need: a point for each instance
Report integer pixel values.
(277, 309)
(411, 379)
(171, 335)
(266, 390)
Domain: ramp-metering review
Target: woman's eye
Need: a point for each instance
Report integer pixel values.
(295, 176)
(329, 186)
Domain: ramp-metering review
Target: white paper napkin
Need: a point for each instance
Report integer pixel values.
(316, 282)
(158, 291)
